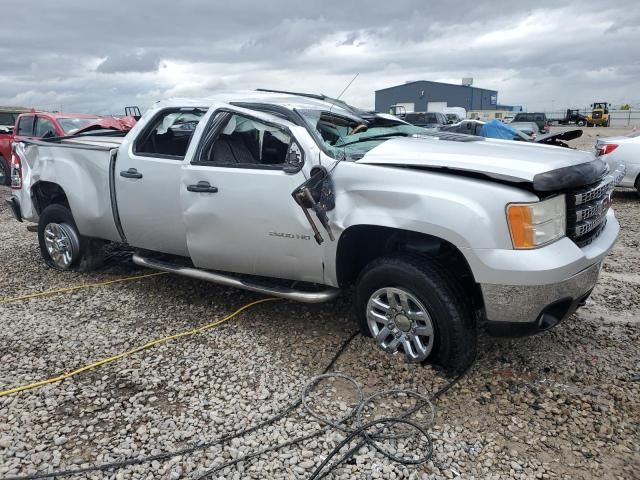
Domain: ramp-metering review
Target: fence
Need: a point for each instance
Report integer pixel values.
(619, 118)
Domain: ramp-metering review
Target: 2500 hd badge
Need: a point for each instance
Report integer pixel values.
(295, 236)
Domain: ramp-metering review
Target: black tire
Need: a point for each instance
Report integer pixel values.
(87, 256)
(5, 172)
(581, 123)
(455, 329)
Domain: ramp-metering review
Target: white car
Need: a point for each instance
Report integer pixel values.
(622, 150)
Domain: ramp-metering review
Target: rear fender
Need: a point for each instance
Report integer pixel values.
(83, 176)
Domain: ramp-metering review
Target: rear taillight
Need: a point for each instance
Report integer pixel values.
(606, 148)
(16, 171)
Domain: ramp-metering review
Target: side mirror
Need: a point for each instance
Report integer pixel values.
(294, 159)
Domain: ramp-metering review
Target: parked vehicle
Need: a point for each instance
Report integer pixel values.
(528, 128)
(625, 151)
(454, 114)
(426, 119)
(599, 115)
(475, 127)
(47, 124)
(8, 117)
(398, 111)
(540, 119)
(497, 129)
(300, 196)
(570, 117)
(488, 115)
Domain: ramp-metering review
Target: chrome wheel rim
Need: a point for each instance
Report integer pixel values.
(62, 244)
(400, 323)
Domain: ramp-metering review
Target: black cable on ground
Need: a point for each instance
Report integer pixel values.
(185, 451)
(360, 430)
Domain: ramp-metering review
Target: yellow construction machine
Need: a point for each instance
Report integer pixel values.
(599, 115)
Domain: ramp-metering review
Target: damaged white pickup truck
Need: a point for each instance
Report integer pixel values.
(302, 196)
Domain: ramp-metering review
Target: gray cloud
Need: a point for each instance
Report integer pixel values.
(129, 62)
(86, 56)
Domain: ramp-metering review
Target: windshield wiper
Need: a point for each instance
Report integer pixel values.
(374, 137)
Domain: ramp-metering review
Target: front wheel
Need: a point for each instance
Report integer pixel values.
(411, 306)
(581, 123)
(61, 245)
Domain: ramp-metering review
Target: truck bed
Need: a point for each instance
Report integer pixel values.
(83, 167)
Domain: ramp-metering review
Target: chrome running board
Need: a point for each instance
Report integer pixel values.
(229, 281)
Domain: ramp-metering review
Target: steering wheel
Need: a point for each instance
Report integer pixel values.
(359, 129)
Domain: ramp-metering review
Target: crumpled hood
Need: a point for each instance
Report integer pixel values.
(505, 160)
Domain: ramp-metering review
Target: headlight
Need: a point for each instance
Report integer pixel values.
(535, 224)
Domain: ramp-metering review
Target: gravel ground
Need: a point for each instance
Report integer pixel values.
(563, 404)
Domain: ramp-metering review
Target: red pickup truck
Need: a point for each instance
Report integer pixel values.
(37, 124)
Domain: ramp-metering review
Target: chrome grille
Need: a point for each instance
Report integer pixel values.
(587, 210)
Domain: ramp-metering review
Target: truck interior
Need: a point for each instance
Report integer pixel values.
(170, 134)
(245, 141)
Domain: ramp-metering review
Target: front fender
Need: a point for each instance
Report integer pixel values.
(468, 213)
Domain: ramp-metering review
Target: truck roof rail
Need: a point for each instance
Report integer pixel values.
(320, 96)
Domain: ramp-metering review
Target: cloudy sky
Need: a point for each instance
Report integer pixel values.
(90, 56)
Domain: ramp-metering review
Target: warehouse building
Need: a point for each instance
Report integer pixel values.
(427, 96)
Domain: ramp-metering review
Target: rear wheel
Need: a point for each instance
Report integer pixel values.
(61, 245)
(411, 306)
(5, 172)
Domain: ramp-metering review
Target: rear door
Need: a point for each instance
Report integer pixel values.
(147, 181)
(236, 196)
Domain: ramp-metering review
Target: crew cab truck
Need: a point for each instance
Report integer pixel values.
(302, 196)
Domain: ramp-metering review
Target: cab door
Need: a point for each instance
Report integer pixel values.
(147, 181)
(236, 196)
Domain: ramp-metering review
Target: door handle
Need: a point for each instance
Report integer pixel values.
(131, 173)
(202, 187)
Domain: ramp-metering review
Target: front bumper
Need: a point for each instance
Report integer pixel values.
(527, 291)
(514, 310)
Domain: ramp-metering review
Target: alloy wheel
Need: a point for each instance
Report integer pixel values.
(62, 244)
(399, 322)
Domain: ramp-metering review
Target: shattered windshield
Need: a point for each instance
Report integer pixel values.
(345, 137)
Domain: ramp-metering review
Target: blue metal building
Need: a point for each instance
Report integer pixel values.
(424, 95)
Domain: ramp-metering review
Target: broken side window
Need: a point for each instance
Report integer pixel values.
(244, 141)
(169, 134)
